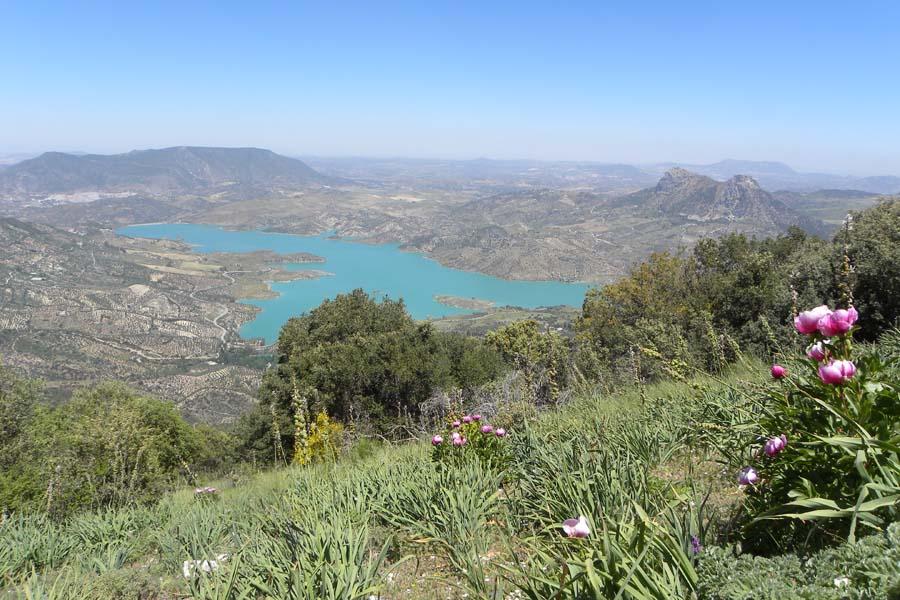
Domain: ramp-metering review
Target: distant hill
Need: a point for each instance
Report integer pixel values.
(169, 171)
(829, 206)
(779, 176)
(698, 198)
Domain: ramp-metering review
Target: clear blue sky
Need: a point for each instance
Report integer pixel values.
(814, 84)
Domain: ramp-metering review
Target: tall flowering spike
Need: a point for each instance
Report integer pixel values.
(576, 528)
(696, 547)
(437, 440)
(837, 372)
(500, 432)
(748, 476)
(487, 429)
(775, 445)
(818, 352)
(838, 323)
(807, 322)
(778, 372)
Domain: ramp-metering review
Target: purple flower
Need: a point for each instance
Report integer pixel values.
(748, 476)
(838, 323)
(500, 432)
(456, 424)
(778, 372)
(476, 417)
(775, 445)
(696, 547)
(837, 372)
(807, 322)
(467, 419)
(487, 429)
(576, 528)
(818, 352)
(437, 440)
(459, 441)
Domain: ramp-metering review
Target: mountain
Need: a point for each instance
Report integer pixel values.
(165, 172)
(779, 176)
(681, 194)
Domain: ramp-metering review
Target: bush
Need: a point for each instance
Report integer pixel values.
(824, 462)
(863, 570)
(468, 439)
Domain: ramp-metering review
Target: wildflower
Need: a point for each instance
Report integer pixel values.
(838, 322)
(818, 352)
(437, 440)
(467, 419)
(500, 432)
(476, 417)
(576, 528)
(778, 371)
(837, 372)
(456, 424)
(841, 581)
(487, 429)
(748, 476)
(696, 547)
(807, 322)
(775, 445)
(459, 441)
(455, 435)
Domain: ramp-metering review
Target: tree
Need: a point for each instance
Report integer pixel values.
(366, 362)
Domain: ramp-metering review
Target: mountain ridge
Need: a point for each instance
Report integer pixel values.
(165, 171)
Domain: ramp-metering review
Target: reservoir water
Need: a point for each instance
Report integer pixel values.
(383, 269)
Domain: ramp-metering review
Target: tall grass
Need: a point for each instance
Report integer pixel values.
(364, 528)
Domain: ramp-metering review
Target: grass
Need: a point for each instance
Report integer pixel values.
(384, 522)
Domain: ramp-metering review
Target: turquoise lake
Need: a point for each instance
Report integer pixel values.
(383, 269)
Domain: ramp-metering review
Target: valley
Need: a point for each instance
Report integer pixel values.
(81, 303)
(81, 307)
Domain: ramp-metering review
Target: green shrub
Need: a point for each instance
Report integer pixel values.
(839, 474)
(868, 569)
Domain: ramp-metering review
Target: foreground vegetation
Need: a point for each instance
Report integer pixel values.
(648, 468)
(656, 453)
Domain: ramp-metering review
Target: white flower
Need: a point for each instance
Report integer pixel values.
(841, 581)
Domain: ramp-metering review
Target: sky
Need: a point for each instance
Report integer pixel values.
(813, 84)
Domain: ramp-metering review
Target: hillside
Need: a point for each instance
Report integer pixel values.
(77, 308)
(779, 176)
(681, 194)
(168, 171)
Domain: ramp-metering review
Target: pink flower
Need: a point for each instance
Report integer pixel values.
(748, 476)
(456, 424)
(437, 440)
(576, 528)
(838, 323)
(818, 352)
(837, 372)
(459, 441)
(778, 371)
(500, 432)
(807, 322)
(455, 435)
(467, 419)
(487, 429)
(476, 417)
(775, 445)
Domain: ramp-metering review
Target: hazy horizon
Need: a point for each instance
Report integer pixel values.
(808, 84)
